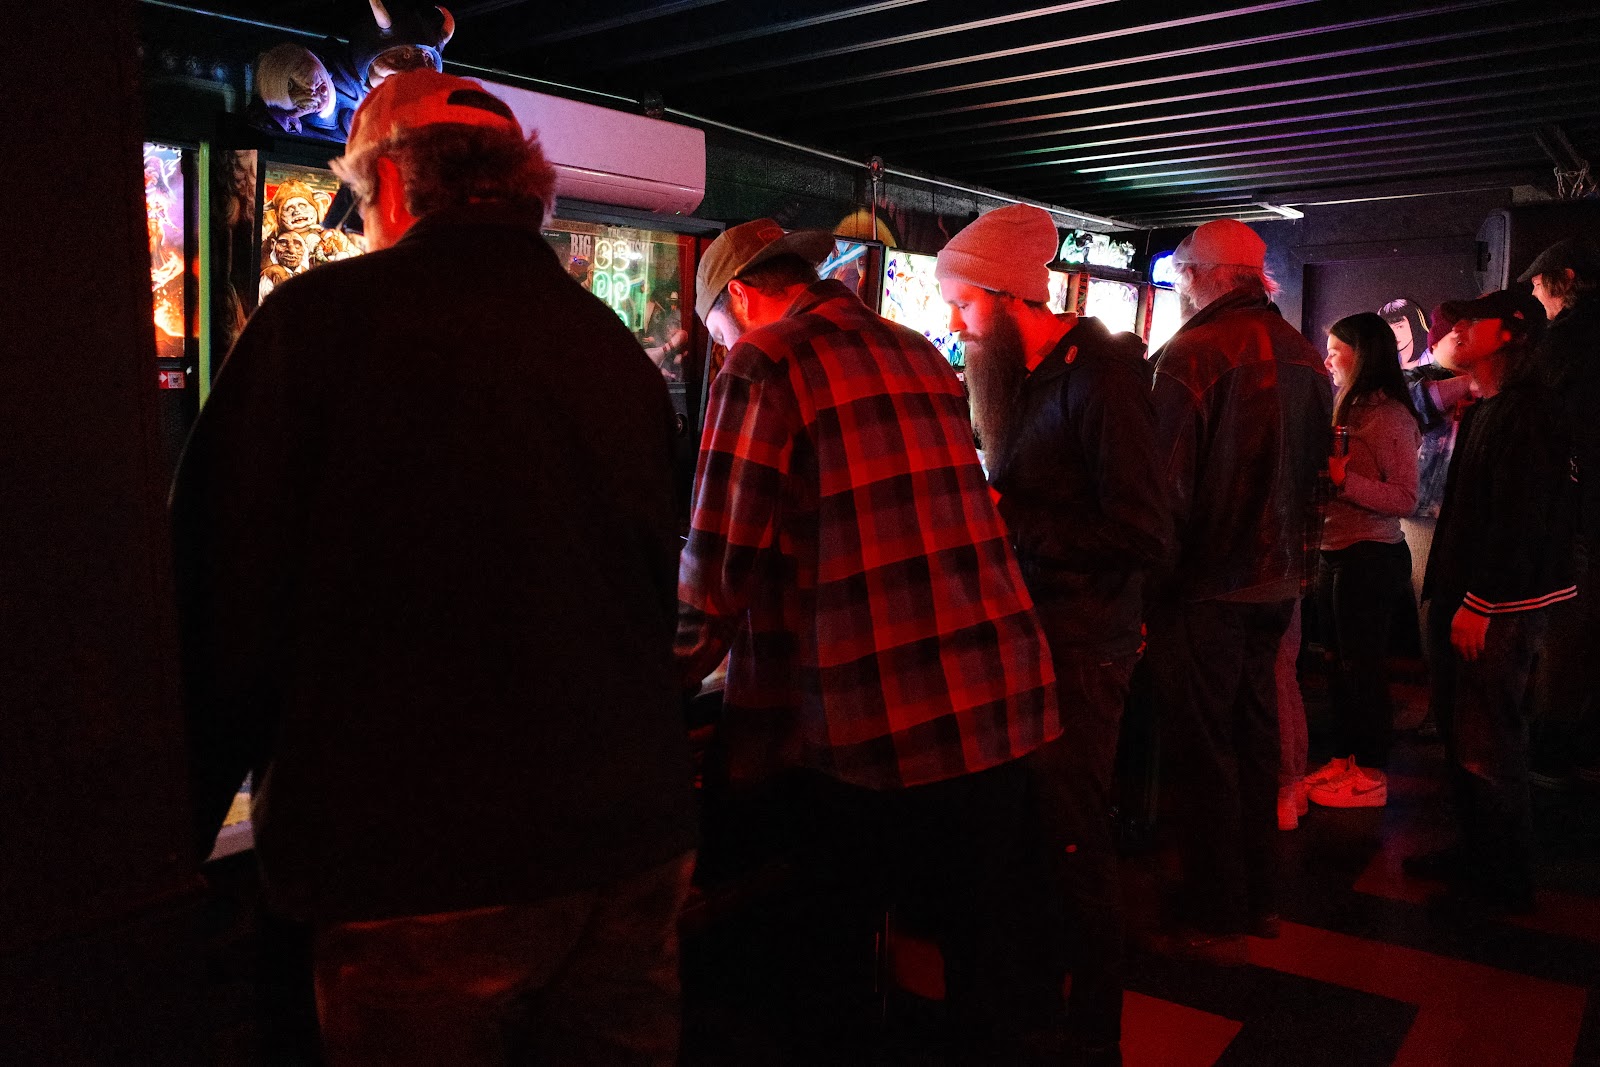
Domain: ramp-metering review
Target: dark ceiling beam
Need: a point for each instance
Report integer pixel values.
(1315, 136)
(793, 86)
(1191, 219)
(1096, 196)
(1439, 145)
(882, 113)
(508, 42)
(1234, 133)
(780, 60)
(790, 58)
(1478, 68)
(1173, 213)
(1460, 122)
(1445, 129)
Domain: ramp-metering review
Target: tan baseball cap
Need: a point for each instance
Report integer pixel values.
(416, 98)
(746, 246)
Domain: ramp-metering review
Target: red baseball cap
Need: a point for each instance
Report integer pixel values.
(416, 98)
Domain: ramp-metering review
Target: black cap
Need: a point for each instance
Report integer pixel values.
(1577, 254)
(1518, 311)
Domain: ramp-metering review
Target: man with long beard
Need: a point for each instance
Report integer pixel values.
(1063, 410)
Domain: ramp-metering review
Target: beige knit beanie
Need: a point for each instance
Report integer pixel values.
(1006, 251)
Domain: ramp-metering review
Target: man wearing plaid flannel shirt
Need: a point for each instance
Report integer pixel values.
(845, 545)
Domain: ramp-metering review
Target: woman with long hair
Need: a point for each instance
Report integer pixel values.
(1365, 569)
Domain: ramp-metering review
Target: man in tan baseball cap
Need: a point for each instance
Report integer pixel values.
(731, 283)
(844, 547)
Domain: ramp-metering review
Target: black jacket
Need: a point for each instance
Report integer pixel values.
(1243, 408)
(1569, 363)
(427, 561)
(1504, 540)
(1081, 488)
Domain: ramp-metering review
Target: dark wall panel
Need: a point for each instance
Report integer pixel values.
(1342, 288)
(93, 829)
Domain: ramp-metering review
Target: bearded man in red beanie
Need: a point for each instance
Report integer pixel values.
(1243, 410)
(1063, 409)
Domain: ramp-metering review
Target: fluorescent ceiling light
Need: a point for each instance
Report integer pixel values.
(1282, 212)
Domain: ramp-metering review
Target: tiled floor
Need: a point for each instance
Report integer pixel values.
(1365, 973)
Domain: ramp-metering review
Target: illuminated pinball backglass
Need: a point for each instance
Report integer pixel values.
(639, 275)
(164, 221)
(911, 298)
(295, 201)
(849, 264)
(1114, 303)
(1060, 290)
(1165, 317)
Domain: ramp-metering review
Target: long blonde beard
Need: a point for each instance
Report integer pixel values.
(996, 368)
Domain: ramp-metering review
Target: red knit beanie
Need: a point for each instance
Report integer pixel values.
(1007, 250)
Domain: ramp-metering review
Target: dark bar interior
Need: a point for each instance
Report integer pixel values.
(1178, 414)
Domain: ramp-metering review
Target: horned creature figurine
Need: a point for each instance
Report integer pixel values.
(315, 91)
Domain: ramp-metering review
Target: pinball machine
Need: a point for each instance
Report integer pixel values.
(1103, 283)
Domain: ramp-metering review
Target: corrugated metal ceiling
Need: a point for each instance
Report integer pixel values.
(1153, 114)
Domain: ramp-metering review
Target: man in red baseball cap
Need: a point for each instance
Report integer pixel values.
(427, 569)
(1243, 408)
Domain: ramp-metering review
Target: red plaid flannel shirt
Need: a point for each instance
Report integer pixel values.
(845, 542)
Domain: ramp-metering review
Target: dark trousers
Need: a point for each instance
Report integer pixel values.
(590, 978)
(1072, 797)
(1483, 711)
(1212, 662)
(1358, 591)
(943, 859)
(1566, 718)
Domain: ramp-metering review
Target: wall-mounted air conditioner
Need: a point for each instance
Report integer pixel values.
(613, 157)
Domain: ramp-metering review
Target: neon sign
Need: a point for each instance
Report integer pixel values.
(611, 262)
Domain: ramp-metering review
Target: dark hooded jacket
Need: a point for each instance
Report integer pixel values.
(1504, 541)
(1243, 410)
(1081, 489)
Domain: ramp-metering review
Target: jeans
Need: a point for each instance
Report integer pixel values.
(1212, 662)
(1072, 796)
(590, 978)
(1358, 591)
